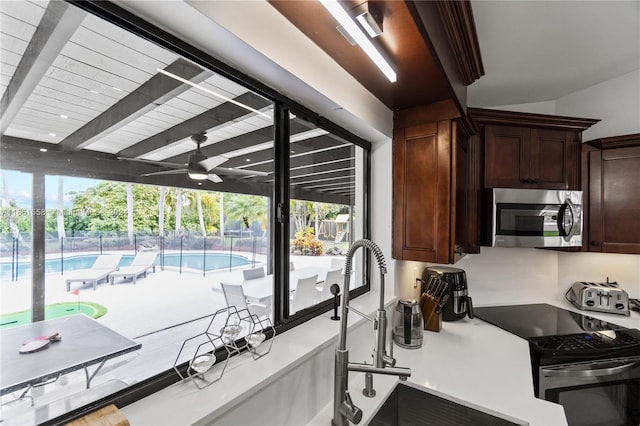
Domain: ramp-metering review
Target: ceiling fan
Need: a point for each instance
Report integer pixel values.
(199, 166)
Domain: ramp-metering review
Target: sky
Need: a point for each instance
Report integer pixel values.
(19, 188)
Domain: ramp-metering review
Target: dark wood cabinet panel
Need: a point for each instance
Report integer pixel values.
(536, 151)
(613, 192)
(520, 157)
(555, 158)
(422, 192)
(506, 156)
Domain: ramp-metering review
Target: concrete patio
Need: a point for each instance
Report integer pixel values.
(146, 312)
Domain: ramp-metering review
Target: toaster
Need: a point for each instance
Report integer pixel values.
(600, 297)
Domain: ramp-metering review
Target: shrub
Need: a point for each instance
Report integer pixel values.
(307, 243)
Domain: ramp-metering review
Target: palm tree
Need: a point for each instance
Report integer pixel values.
(247, 209)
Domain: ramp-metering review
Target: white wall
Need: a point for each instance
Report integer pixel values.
(622, 268)
(381, 211)
(546, 107)
(615, 102)
(496, 275)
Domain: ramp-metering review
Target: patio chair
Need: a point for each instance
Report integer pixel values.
(250, 274)
(303, 296)
(234, 295)
(334, 276)
(141, 263)
(337, 263)
(104, 266)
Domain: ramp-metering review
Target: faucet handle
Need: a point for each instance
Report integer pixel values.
(350, 411)
(389, 360)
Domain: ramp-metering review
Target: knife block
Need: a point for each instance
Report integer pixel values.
(432, 321)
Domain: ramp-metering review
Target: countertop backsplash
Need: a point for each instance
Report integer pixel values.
(526, 275)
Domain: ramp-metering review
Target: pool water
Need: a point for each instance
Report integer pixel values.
(197, 261)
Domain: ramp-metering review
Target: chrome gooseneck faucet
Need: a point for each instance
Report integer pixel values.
(344, 411)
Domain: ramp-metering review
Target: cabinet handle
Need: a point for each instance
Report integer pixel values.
(595, 243)
(529, 180)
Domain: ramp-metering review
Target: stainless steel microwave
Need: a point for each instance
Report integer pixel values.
(536, 218)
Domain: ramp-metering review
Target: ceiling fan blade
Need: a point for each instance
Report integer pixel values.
(237, 172)
(167, 172)
(214, 178)
(213, 162)
(154, 163)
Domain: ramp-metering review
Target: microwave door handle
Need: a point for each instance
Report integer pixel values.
(599, 372)
(569, 207)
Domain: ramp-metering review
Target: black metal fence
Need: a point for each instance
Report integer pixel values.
(15, 252)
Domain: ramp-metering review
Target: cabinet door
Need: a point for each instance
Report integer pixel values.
(507, 156)
(422, 193)
(554, 157)
(614, 200)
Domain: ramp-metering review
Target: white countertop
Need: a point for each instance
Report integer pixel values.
(477, 363)
(470, 360)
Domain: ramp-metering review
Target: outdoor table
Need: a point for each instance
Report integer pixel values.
(260, 290)
(85, 342)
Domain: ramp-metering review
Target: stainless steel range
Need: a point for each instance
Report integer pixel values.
(590, 367)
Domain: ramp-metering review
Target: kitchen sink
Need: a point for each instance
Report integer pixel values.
(410, 404)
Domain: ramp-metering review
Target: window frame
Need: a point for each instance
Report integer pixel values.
(279, 214)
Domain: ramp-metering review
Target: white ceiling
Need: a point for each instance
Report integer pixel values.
(74, 81)
(537, 51)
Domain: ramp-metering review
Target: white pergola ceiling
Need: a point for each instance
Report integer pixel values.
(79, 83)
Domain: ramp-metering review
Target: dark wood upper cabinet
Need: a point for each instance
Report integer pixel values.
(520, 157)
(536, 151)
(434, 208)
(611, 181)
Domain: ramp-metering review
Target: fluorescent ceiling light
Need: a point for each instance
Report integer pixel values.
(356, 33)
(211, 92)
(369, 24)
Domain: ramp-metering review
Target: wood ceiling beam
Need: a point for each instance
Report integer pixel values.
(59, 22)
(244, 141)
(25, 155)
(297, 193)
(318, 149)
(214, 117)
(156, 91)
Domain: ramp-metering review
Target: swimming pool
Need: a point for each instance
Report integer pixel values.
(190, 260)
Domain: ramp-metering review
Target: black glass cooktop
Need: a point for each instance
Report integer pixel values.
(537, 320)
(557, 332)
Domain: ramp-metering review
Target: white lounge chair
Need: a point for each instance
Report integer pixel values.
(104, 265)
(141, 263)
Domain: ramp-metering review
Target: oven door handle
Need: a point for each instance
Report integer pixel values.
(589, 372)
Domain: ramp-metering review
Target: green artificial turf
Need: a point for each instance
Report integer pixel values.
(55, 310)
